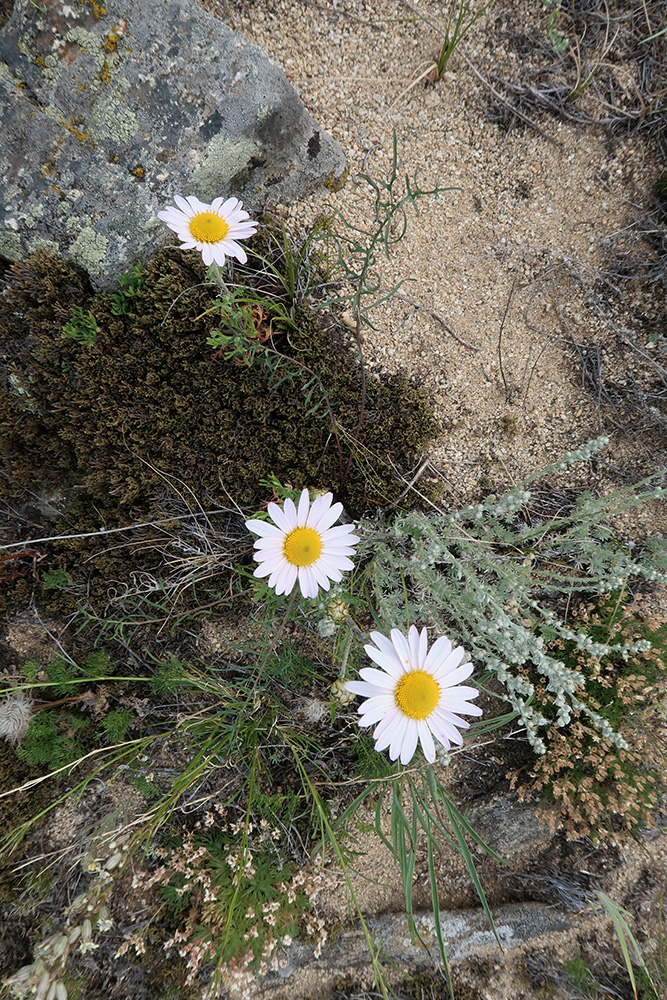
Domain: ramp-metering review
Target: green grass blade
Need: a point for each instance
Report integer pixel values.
(436, 915)
(625, 938)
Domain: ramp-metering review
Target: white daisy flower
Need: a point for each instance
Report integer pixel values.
(416, 695)
(211, 229)
(303, 545)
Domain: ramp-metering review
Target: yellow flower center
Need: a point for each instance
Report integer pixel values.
(207, 227)
(302, 547)
(417, 694)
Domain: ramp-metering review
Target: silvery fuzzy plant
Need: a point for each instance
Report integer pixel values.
(488, 575)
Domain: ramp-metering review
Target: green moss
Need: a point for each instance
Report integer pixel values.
(149, 397)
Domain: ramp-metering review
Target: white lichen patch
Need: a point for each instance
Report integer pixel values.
(41, 243)
(10, 245)
(88, 42)
(225, 158)
(113, 120)
(73, 224)
(89, 250)
(52, 68)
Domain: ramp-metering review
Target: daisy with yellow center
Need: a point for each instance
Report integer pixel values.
(212, 229)
(303, 545)
(416, 695)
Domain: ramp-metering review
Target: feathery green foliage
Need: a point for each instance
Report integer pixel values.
(494, 579)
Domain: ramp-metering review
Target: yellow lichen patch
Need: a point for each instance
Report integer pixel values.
(81, 136)
(104, 74)
(97, 8)
(110, 41)
(333, 183)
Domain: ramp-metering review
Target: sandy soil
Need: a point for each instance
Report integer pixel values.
(529, 205)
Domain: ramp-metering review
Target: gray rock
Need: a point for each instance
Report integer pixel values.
(465, 933)
(511, 828)
(111, 109)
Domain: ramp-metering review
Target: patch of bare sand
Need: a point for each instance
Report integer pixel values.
(524, 227)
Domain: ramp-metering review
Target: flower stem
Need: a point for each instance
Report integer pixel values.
(218, 277)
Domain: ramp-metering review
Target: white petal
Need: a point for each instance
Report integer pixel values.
(318, 507)
(337, 552)
(333, 567)
(172, 217)
(426, 740)
(196, 205)
(289, 510)
(423, 648)
(441, 736)
(321, 577)
(372, 691)
(207, 254)
(303, 508)
(377, 677)
(236, 250)
(413, 642)
(262, 528)
(340, 532)
(410, 742)
(399, 735)
(174, 226)
(364, 690)
(183, 205)
(286, 579)
(452, 678)
(229, 206)
(461, 708)
(279, 517)
(268, 545)
(377, 712)
(217, 254)
(451, 719)
(331, 571)
(383, 730)
(401, 647)
(330, 516)
(460, 693)
(307, 581)
(449, 663)
(388, 661)
(241, 230)
(439, 652)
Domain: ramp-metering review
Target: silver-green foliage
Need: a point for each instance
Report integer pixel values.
(493, 579)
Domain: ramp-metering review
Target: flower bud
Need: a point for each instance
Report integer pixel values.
(339, 693)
